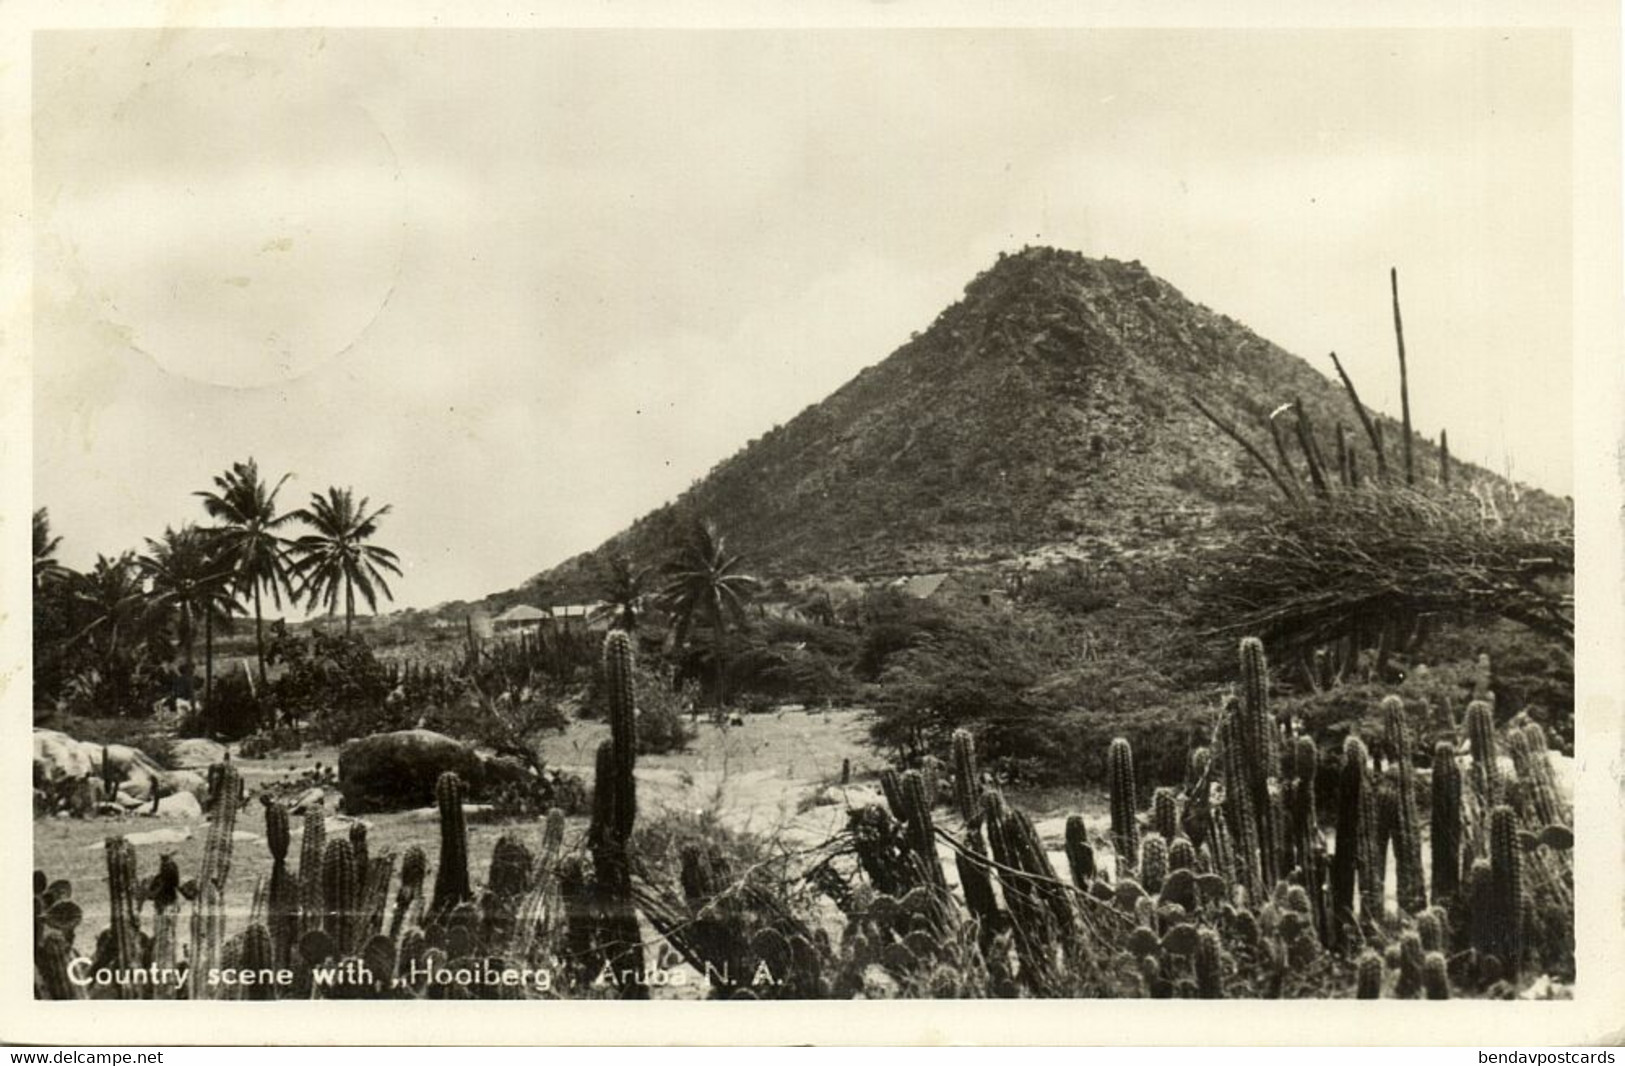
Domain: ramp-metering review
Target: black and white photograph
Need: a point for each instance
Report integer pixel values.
(768, 511)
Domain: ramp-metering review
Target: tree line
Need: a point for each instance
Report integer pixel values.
(107, 636)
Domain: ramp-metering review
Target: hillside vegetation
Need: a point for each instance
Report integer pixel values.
(1047, 409)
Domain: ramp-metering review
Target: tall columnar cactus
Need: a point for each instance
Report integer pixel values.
(1040, 909)
(1209, 964)
(1125, 829)
(1262, 757)
(312, 901)
(340, 887)
(601, 831)
(920, 828)
(1506, 869)
(1412, 886)
(414, 867)
(967, 777)
(451, 885)
(618, 677)
(374, 895)
(125, 934)
(1080, 855)
(257, 955)
(1308, 850)
(1541, 767)
(165, 895)
(1430, 927)
(1358, 808)
(1435, 976)
(1181, 854)
(1387, 829)
(1445, 823)
(510, 870)
(283, 920)
(1165, 813)
(1240, 803)
(1153, 863)
(1411, 958)
(358, 848)
(1305, 816)
(974, 880)
(208, 936)
(217, 848)
(1481, 742)
(1534, 778)
(539, 919)
(1479, 891)
(977, 884)
(1368, 975)
(614, 814)
(891, 786)
(1220, 845)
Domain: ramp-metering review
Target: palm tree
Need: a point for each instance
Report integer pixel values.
(190, 582)
(46, 568)
(112, 613)
(247, 539)
(336, 556)
(705, 586)
(110, 602)
(623, 588)
(56, 617)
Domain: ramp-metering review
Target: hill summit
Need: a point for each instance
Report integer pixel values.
(1046, 413)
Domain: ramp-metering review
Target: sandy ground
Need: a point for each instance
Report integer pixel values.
(758, 777)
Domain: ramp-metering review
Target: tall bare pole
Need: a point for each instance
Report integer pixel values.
(1404, 380)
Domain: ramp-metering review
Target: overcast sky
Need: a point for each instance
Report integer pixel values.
(526, 285)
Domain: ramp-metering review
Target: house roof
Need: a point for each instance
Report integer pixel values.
(521, 612)
(571, 610)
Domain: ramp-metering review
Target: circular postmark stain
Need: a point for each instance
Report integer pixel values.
(239, 218)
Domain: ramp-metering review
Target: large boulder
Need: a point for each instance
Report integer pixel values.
(167, 782)
(126, 762)
(172, 782)
(124, 765)
(397, 771)
(196, 753)
(58, 758)
(182, 806)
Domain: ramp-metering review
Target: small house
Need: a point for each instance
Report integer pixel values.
(518, 618)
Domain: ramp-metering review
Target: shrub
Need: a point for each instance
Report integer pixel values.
(1073, 588)
(333, 682)
(665, 703)
(232, 711)
(664, 706)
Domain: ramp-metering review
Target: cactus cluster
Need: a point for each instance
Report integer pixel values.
(1225, 890)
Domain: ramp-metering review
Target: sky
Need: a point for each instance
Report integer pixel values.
(526, 285)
